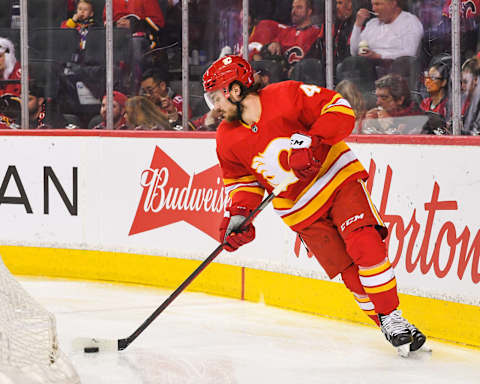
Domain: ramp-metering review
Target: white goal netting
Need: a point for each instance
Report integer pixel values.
(29, 351)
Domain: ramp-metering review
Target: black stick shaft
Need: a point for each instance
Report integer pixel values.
(124, 343)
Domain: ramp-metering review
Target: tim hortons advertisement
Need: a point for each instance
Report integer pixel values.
(164, 196)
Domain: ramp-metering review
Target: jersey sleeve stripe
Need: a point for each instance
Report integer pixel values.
(235, 186)
(341, 109)
(244, 179)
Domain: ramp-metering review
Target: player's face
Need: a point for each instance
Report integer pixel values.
(223, 106)
(300, 12)
(385, 9)
(344, 9)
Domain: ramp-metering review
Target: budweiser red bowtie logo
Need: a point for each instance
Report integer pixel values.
(171, 195)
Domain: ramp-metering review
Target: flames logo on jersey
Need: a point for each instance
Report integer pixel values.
(268, 163)
(468, 9)
(294, 54)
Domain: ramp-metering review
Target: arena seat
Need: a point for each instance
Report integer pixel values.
(95, 46)
(46, 13)
(54, 44)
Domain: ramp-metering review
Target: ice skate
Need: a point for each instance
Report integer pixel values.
(396, 331)
(418, 343)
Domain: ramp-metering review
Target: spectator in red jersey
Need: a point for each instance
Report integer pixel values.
(10, 70)
(154, 86)
(119, 120)
(271, 40)
(436, 82)
(81, 20)
(140, 16)
(10, 110)
(395, 110)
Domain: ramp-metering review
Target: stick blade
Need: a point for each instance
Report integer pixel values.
(91, 345)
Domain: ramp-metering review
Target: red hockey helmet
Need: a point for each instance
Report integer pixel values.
(226, 70)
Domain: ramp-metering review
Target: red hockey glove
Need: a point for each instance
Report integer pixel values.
(302, 160)
(230, 225)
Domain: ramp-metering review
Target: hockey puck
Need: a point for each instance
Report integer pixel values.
(91, 349)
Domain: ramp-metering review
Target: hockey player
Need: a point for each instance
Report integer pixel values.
(291, 127)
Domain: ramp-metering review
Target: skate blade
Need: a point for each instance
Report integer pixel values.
(423, 348)
(404, 350)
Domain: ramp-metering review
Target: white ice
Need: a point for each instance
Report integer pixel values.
(205, 339)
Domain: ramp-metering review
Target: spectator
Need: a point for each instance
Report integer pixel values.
(172, 32)
(10, 110)
(10, 70)
(154, 86)
(395, 110)
(207, 122)
(43, 113)
(436, 80)
(262, 76)
(392, 34)
(271, 39)
(81, 20)
(119, 120)
(342, 30)
(142, 114)
(470, 97)
(140, 16)
(353, 95)
(438, 26)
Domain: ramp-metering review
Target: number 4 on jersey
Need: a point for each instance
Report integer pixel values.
(310, 90)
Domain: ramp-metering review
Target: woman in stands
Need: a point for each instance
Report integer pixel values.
(436, 82)
(142, 114)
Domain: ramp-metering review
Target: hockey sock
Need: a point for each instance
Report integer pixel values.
(352, 282)
(368, 251)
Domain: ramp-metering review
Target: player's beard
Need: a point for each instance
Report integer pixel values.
(234, 114)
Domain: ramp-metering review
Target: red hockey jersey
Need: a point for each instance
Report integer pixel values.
(148, 10)
(295, 42)
(13, 88)
(255, 158)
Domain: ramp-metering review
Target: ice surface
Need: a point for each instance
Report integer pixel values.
(205, 339)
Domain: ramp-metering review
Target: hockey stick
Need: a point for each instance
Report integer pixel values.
(89, 345)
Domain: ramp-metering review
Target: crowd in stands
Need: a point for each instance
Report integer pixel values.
(391, 61)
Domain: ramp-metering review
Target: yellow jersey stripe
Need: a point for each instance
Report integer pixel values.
(333, 100)
(341, 109)
(258, 191)
(244, 179)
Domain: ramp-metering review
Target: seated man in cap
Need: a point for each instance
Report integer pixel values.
(119, 120)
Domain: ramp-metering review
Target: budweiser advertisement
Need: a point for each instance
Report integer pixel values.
(164, 196)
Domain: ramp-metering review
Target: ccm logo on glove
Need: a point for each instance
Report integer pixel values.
(299, 140)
